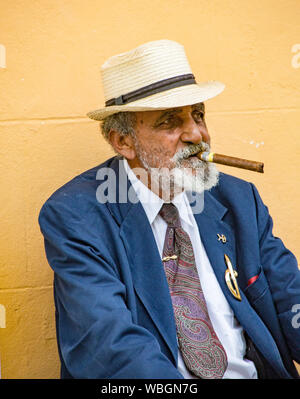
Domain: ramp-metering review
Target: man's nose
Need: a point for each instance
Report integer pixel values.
(193, 132)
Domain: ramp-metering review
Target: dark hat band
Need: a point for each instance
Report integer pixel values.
(146, 91)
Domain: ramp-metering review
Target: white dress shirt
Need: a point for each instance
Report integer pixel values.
(227, 328)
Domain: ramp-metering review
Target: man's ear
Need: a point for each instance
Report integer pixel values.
(123, 144)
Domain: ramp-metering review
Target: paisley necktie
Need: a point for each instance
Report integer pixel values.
(200, 347)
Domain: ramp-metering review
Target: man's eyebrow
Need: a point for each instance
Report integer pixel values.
(167, 113)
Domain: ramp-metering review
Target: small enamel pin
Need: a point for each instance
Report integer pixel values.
(230, 278)
(167, 258)
(222, 238)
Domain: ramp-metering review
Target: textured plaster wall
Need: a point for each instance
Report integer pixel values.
(50, 54)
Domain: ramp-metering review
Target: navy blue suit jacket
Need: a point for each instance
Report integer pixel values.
(114, 314)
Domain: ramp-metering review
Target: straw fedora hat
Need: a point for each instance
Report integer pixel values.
(153, 76)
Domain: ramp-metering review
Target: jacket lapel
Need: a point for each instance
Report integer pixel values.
(147, 270)
(210, 224)
(148, 274)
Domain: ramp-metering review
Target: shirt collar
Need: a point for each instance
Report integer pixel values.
(152, 203)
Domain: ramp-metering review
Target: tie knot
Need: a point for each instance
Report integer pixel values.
(170, 215)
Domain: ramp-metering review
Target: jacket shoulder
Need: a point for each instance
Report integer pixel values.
(80, 184)
(78, 196)
(226, 179)
(230, 187)
(241, 198)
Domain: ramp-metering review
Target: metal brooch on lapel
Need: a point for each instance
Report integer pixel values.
(222, 238)
(230, 278)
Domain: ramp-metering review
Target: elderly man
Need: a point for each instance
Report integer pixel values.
(165, 268)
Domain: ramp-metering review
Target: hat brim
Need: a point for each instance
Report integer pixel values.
(177, 97)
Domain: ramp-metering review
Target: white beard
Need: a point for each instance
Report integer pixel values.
(197, 176)
(173, 182)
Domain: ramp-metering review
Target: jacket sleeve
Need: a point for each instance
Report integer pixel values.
(96, 333)
(281, 269)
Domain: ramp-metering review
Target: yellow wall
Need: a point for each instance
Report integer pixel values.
(50, 79)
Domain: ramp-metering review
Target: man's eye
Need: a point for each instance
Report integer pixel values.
(198, 115)
(168, 121)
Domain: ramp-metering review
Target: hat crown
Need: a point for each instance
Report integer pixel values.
(154, 76)
(149, 63)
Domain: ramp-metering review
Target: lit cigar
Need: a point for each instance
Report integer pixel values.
(231, 161)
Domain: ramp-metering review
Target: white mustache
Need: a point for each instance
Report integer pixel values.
(192, 149)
